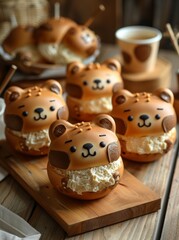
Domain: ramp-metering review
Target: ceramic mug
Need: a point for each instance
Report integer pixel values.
(139, 47)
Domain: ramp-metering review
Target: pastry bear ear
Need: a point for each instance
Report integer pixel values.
(105, 121)
(113, 64)
(58, 128)
(120, 97)
(74, 68)
(12, 94)
(165, 94)
(53, 86)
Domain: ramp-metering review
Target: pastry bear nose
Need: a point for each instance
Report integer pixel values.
(97, 81)
(38, 110)
(144, 117)
(88, 146)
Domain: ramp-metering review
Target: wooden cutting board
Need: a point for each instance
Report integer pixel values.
(129, 199)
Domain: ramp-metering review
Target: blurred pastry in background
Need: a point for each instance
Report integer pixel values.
(62, 40)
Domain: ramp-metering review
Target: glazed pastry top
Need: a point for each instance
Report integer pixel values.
(94, 80)
(34, 108)
(83, 145)
(142, 114)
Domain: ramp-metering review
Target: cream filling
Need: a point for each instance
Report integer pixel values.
(148, 144)
(58, 53)
(34, 140)
(93, 179)
(99, 105)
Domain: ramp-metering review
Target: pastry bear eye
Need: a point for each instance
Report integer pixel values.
(25, 114)
(108, 81)
(85, 83)
(102, 144)
(52, 108)
(73, 149)
(130, 118)
(157, 116)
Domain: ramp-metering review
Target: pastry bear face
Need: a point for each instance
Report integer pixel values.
(142, 114)
(94, 80)
(81, 39)
(34, 108)
(78, 39)
(83, 145)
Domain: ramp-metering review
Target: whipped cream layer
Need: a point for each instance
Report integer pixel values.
(99, 105)
(58, 53)
(93, 179)
(148, 144)
(34, 140)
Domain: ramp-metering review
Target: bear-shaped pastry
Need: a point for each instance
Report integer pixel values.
(29, 113)
(90, 87)
(62, 41)
(55, 41)
(145, 123)
(84, 159)
(20, 43)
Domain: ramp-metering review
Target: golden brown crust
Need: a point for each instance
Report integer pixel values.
(87, 149)
(18, 37)
(64, 32)
(65, 136)
(81, 40)
(90, 87)
(29, 113)
(41, 105)
(53, 30)
(142, 114)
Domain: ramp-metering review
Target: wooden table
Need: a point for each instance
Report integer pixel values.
(161, 176)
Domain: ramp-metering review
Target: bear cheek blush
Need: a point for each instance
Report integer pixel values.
(90, 87)
(84, 159)
(29, 113)
(145, 123)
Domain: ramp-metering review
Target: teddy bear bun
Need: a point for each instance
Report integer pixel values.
(13, 41)
(20, 43)
(84, 159)
(29, 113)
(55, 41)
(145, 123)
(89, 88)
(62, 41)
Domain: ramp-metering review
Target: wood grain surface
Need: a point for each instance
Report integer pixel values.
(154, 175)
(129, 199)
(171, 221)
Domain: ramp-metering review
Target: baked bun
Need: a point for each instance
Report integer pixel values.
(145, 123)
(89, 88)
(29, 113)
(81, 40)
(62, 41)
(84, 158)
(53, 30)
(19, 36)
(20, 41)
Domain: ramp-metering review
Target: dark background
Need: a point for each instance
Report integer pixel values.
(119, 13)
